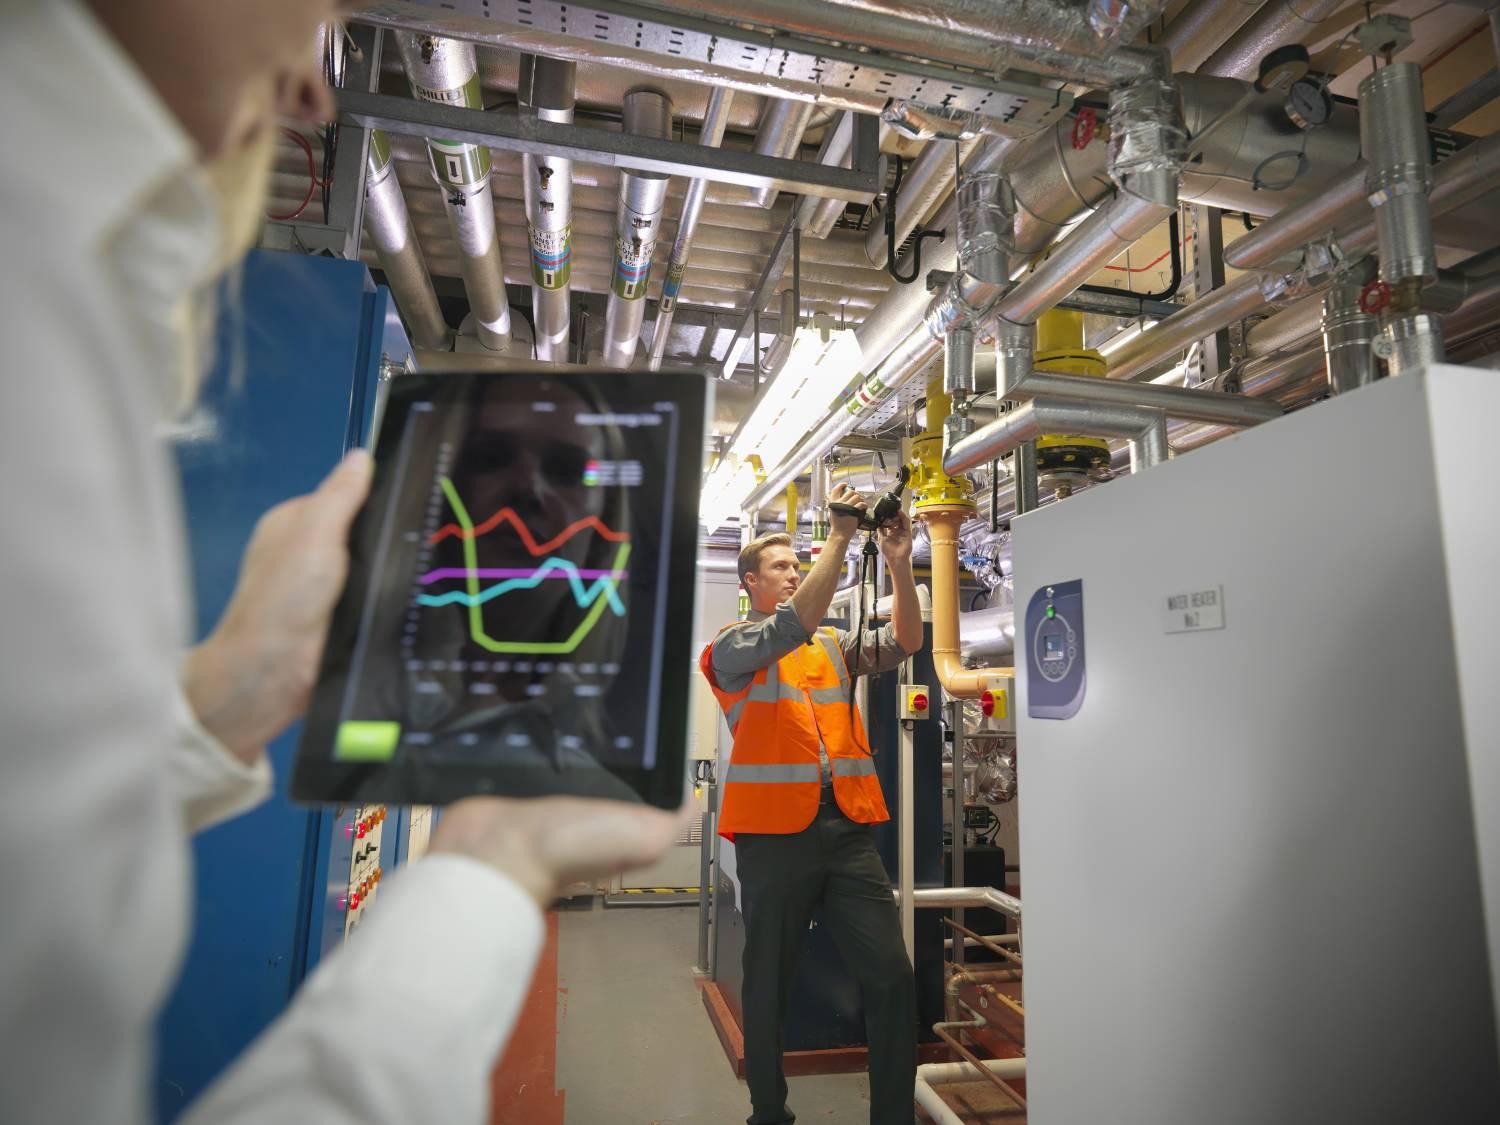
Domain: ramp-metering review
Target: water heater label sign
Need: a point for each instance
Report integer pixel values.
(1194, 611)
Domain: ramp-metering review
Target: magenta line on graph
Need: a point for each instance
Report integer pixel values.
(507, 572)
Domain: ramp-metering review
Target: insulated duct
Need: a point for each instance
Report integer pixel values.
(648, 113)
(444, 71)
(546, 88)
(1277, 24)
(782, 125)
(1393, 133)
(990, 35)
(396, 246)
(1348, 336)
(1202, 27)
(1455, 182)
(715, 118)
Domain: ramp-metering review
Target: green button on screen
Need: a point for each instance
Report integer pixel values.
(366, 742)
(1051, 611)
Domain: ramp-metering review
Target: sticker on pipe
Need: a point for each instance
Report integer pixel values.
(1194, 611)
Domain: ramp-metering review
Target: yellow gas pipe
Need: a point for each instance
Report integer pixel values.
(944, 503)
(1059, 348)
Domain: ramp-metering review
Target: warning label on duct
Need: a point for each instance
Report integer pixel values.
(1194, 611)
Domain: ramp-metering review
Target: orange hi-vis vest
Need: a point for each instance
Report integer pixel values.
(773, 782)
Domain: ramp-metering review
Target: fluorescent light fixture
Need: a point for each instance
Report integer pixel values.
(818, 368)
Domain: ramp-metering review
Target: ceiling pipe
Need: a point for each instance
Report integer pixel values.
(1202, 27)
(546, 86)
(444, 71)
(992, 35)
(929, 178)
(400, 255)
(1277, 24)
(1455, 181)
(782, 125)
(714, 122)
(638, 222)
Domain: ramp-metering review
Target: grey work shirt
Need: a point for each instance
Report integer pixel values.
(765, 638)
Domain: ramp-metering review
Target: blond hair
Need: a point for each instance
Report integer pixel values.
(750, 554)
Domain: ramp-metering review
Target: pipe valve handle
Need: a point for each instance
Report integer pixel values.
(1085, 125)
(1374, 297)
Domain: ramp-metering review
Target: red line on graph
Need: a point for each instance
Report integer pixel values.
(508, 515)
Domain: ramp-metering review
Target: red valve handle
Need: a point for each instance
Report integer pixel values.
(1085, 125)
(1374, 297)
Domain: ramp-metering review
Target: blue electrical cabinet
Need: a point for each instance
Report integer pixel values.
(301, 345)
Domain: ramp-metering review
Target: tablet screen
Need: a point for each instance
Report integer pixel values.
(512, 624)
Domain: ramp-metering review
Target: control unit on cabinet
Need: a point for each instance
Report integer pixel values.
(1262, 835)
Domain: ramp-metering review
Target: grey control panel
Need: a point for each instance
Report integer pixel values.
(1055, 651)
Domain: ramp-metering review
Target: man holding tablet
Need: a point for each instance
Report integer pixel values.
(801, 794)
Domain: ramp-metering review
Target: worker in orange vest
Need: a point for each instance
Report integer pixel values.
(800, 795)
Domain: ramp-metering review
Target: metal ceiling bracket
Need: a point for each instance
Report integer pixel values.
(509, 131)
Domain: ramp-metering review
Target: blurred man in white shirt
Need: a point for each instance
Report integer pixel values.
(137, 146)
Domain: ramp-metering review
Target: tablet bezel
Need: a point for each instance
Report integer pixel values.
(318, 778)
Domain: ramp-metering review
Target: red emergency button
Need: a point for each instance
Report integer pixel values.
(987, 703)
(919, 701)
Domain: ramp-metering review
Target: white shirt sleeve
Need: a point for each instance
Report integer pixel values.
(211, 784)
(406, 1021)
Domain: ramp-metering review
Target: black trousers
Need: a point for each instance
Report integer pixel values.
(783, 878)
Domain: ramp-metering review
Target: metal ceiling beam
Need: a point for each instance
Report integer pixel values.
(679, 45)
(508, 130)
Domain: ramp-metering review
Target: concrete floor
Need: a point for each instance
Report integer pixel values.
(635, 1046)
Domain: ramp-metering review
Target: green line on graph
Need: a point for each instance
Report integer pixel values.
(476, 612)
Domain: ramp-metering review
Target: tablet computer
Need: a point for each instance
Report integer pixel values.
(519, 612)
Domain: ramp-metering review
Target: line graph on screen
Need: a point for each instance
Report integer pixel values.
(595, 590)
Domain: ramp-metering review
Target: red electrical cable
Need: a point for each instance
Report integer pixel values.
(313, 183)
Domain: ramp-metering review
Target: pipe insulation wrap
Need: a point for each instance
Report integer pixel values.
(444, 71)
(400, 256)
(1398, 174)
(782, 126)
(1414, 342)
(1146, 140)
(648, 113)
(1277, 24)
(715, 119)
(986, 217)
(546, 87)
(1348, 337)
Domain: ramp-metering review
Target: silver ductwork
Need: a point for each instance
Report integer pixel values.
(1455, 182)
(1398, 177)
(396, 246)
(1202, 27)
(1348, 332)
(986, 217)
(992, 35)
(818, 216)
(546, 88)
(648, 113)
(1145, 429)
(782, 125)
(1393, 130)
(715, 118)
(444, 71)
(1413, 342)
(1277, 24)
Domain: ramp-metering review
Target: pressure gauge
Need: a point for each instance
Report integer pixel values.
(1308, 104)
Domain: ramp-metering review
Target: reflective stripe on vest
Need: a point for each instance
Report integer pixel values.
(772, 691)
(830, 645)
(849, 767)
(773, 775)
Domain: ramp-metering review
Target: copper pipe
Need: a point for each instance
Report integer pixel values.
(993, 947)
(958, 681)
(942, 1032)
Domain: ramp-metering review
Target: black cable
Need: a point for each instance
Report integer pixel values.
(890, 237)
(1171, 290)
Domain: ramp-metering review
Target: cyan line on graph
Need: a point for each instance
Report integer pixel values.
(585, 596)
